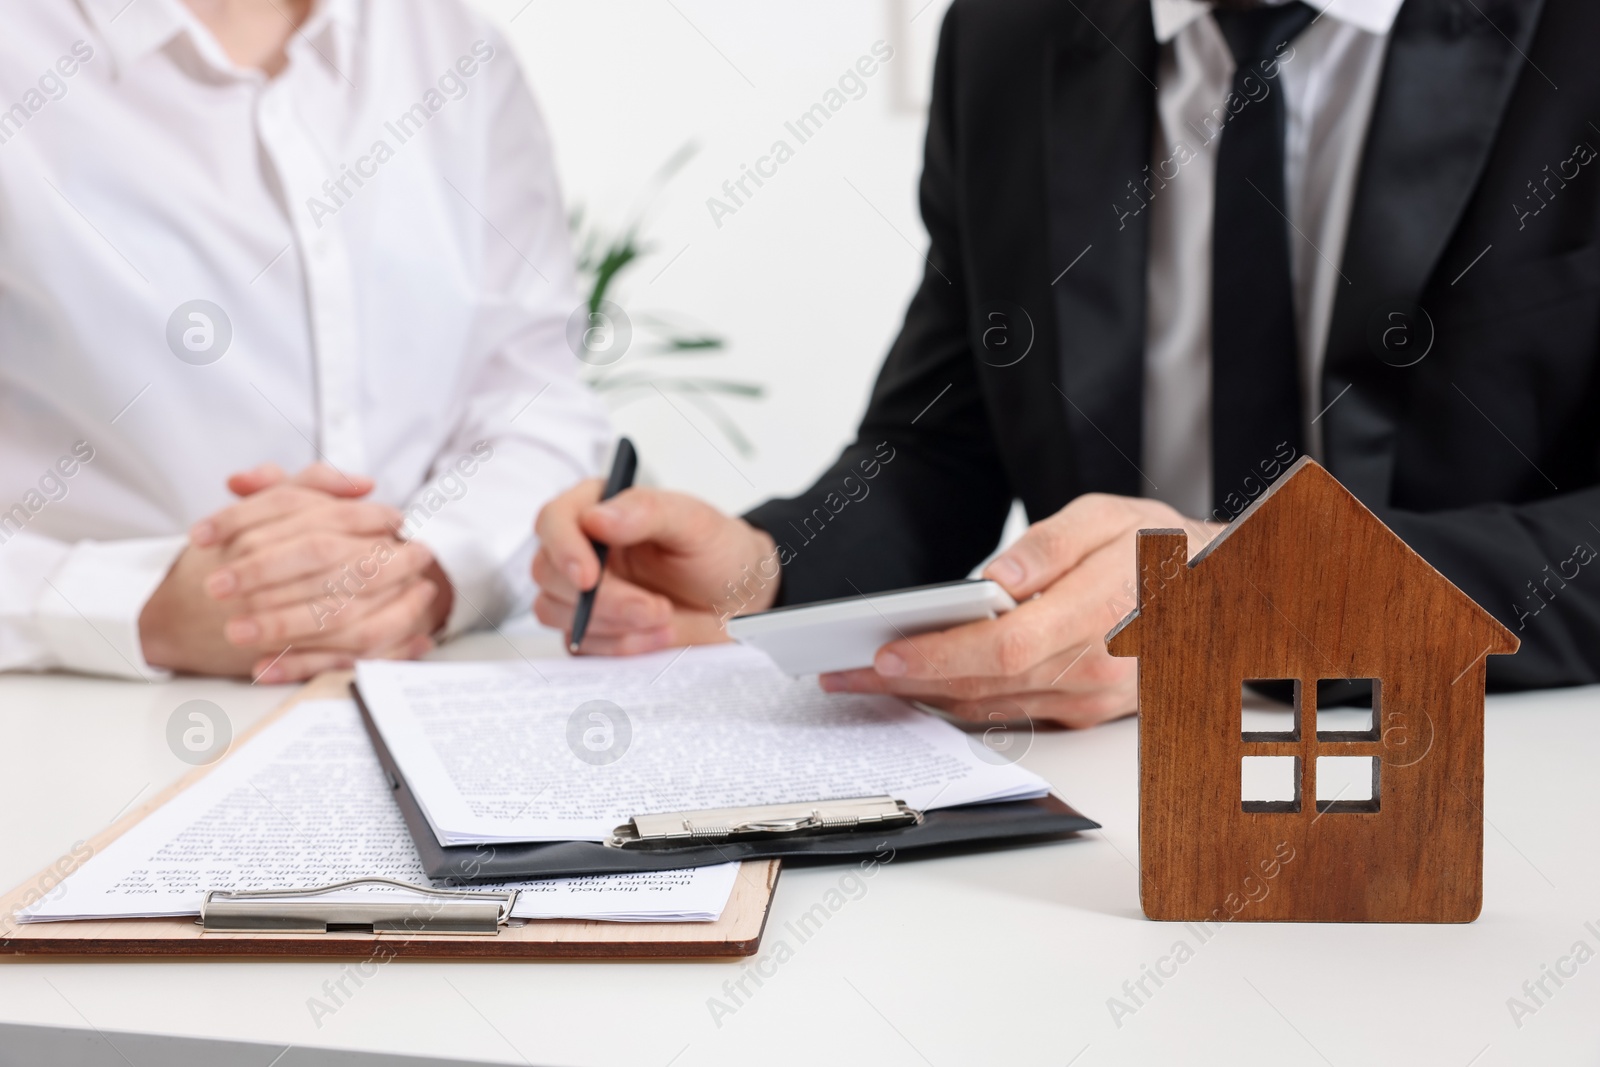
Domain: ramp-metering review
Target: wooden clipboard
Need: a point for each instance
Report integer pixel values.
(736, 933)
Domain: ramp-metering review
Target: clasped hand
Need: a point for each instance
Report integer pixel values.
(299, 576)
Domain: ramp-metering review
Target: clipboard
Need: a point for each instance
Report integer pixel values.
(861, 828)
(247, 934)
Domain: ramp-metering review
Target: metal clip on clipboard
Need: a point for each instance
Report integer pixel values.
(686, 828)
(297, 911)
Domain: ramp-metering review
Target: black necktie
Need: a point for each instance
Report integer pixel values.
(1255, 373)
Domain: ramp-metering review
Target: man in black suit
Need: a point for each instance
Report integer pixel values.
(1172, 248)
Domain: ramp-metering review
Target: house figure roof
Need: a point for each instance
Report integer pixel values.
(1287, 547)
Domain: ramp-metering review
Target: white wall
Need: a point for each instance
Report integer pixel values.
(807, 281)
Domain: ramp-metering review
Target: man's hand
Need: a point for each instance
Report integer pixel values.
(299, 577)
(676, 569)
(1073, 577)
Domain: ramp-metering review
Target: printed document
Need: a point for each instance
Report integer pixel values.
(559, 750)
(305, 803)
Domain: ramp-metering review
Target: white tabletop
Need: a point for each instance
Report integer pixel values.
(1008, 957)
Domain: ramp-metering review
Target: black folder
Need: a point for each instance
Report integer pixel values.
(970, 826)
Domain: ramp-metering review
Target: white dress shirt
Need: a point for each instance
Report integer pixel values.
(1329, 84)
(381, 228)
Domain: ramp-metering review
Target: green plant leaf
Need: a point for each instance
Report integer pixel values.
(746, 390)
(692, 344)
(605, 257)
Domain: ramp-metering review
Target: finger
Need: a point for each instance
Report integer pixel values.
(562, 541)
(1050, 707)
(1082, 670)
(1051, 547)
(256, 479)
(633, 516)
(317, 619)
(686, 628)
(368, 626)
(548, 577)
(295, 666)
(926, 689)
(324, 555)
(630, 644)
(354, 517)
(671, 522)
(403, 616)
(559, 614)
(990, 648)
(414, 647)
(1074, 710)
(864, 680)
(325, 477)
(298, 665)
(619, 605)
(1068, 615)
(265, 506)
(366, 576)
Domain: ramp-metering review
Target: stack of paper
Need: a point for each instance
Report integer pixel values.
(570, 749)
(304, 803)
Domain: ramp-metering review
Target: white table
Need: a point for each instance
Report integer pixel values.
(1006, 958)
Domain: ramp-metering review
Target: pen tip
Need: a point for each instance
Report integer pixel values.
(572, 647)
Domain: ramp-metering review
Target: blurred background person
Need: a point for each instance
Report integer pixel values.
(1174, 246)
(283, 293)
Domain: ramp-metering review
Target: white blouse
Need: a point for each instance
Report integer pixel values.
(363, 259)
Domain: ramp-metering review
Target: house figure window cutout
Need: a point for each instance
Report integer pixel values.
(1340, 779)
(1376, 820)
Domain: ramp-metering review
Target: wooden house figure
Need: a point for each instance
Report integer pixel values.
(1307, 585)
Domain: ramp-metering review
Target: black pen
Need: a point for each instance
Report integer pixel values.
(623, 468)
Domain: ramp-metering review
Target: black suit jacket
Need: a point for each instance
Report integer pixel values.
(1484, 454)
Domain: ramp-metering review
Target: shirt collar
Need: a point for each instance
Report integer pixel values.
(1373, 16)
(132, 29)
(332, 30)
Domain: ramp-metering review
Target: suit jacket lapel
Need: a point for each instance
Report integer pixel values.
(1447, 78)
(1098, 137)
